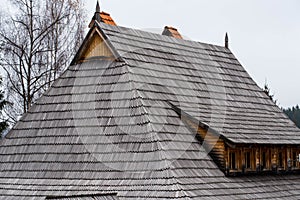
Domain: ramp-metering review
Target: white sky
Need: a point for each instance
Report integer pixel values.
(264, 34)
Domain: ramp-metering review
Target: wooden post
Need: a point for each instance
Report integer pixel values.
(226, 158)
(260, 161)
(238, 159)
(274, 159)
(243, 159)
(269, 159)
(257, 159)
(289, 159)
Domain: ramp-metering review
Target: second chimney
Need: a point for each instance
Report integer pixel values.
(172, 32)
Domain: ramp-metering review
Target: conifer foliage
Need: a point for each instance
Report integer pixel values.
(294, 114)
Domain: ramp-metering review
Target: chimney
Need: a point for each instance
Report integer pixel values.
(106, 18)
(172, 32)
(101, 17)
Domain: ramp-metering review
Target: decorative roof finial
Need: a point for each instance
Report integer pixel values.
(226, 41)
(97, 16)
(98, 7)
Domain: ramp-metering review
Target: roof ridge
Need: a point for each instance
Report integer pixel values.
(135, 87)
(174, 39)
(177, 186)
(140, 99)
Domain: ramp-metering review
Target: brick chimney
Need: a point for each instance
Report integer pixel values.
(172, 32)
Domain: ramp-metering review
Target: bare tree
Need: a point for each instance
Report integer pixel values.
(3, 103)
(38, 41)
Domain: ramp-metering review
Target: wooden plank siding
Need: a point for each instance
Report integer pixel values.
(264, 158)
(96, 48)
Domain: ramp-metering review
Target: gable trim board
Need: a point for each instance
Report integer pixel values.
(107, 125)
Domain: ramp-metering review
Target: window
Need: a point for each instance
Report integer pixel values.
(294, 159)
(280, 160)
(264, 160)
(232, 160)
(247, 160)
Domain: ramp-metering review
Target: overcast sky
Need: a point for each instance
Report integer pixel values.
(264, 34)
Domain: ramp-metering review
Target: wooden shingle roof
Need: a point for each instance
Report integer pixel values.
(207, 82)
(108, 126)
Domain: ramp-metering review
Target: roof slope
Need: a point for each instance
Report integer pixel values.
(207, 82)
(108, 127)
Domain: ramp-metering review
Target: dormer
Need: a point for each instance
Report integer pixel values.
(247, 157)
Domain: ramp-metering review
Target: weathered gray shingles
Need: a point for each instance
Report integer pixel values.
(56, 149)
(239, 90)
(93, 138)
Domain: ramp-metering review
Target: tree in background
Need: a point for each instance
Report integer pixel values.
(3, 103)
(37, 43)
(267, 90)
(294, 114)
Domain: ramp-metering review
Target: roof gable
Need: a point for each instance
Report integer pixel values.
(95, 46)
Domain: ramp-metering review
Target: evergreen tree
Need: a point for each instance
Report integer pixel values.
(267, 90)
(294, 114)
